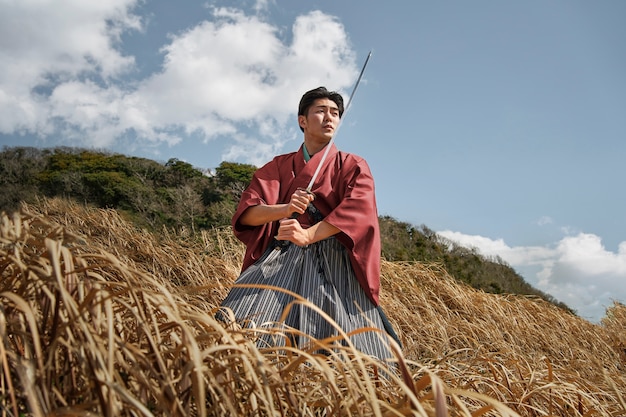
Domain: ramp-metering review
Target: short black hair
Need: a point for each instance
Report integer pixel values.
(320, 92)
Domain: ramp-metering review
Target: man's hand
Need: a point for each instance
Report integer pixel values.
(263, 214)
(291, 230)
(300, 200)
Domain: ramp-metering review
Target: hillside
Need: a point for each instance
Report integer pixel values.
(175, 195)
(98, 316)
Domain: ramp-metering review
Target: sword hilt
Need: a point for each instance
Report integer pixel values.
(294, 215)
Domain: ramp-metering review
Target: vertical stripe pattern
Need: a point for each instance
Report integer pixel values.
(320, 273)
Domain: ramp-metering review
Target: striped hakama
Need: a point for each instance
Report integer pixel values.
(320, 273)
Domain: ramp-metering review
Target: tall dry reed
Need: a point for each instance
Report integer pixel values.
(97, 317)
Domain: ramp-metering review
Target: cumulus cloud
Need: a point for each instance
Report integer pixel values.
(46, 44)
(64, 73)
(577, 270)
(519, 255)
(236, 74)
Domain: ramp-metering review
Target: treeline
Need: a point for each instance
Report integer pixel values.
(154, 195)
(178, 196)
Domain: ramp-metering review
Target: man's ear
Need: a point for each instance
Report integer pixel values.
(302, 121)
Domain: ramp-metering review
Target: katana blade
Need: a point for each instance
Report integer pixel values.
(332, 139)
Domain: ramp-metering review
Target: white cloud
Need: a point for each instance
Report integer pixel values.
(544, 220)
(519, 255)
(64, 37)
(236, 70)
(63, 74)
(44, 44)
(262, 5)
(577, 270)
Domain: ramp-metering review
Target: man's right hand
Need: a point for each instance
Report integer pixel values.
(300, 200)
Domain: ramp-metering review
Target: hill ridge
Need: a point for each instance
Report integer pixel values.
(175, 195)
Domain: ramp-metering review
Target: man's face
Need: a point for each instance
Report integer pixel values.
(321, 120)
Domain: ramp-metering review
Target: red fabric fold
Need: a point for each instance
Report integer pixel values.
(344, 194)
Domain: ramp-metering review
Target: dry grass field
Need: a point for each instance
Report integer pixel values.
(99, 318)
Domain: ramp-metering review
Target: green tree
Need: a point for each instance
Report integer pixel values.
(234, 177)
(178, 172)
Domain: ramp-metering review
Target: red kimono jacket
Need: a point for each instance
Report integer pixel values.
(344, 194)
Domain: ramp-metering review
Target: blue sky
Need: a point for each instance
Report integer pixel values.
(500, 125)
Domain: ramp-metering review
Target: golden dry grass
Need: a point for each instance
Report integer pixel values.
(99, 318)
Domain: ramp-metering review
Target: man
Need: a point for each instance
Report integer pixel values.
(323, 246)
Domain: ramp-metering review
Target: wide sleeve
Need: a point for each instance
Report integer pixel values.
(356, 216)
(264, 188)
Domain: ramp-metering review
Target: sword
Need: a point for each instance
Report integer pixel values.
(332, 139)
